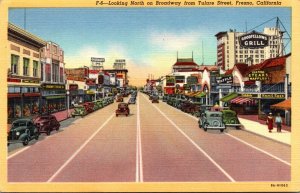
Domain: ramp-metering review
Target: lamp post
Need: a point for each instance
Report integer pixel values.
(68, 103)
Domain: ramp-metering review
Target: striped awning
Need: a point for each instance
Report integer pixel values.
(200, 95)
(242, 100)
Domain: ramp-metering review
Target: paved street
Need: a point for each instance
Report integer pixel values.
(156, 143)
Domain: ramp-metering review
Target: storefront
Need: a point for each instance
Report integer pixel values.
(23, 98)
(53, 98)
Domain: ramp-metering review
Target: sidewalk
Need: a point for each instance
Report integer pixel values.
(260, 128)
(62, 115)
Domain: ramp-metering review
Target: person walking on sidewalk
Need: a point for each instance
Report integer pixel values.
(278, 121)
(270, 122)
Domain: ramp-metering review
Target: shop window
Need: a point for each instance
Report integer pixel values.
(25, 66)
(35, 68)
(27, 107)
(17, 109)
(262, 51)
(48, 72)
(14, 64)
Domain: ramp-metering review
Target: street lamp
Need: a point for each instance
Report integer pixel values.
(68, 102)
(206, 92)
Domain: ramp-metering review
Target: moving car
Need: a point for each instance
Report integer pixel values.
(119, 98)
(230, 119)
(132, 100)
(212, 120)
(46, 124)
(155, 99)
(123, 109)
(22, 131)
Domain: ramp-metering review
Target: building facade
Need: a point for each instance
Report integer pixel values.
(24, 73)
(229, 51)
(53, 91)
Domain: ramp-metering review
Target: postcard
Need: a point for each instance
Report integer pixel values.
(149, 96)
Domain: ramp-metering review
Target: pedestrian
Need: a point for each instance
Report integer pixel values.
(270, 122)
(278, 121)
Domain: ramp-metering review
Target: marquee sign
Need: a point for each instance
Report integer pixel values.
(53, 86)
(258, 75)
(254, 40)
(273, 96)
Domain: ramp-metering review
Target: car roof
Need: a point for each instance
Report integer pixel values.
(22, 120)
(213, 112)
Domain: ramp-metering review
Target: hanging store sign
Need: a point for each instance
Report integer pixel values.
(258, 75)
(90, 92)
(192, 80)
(30, 81)
(254, 40)
(13, 80)
(273, 96)
(93, 59)
(170, 80)
(53, 86)
(224, 86)
(249, 95)
(224, 79)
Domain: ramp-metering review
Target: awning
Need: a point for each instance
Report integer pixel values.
(242, 100)
(200, 95)
(284, 105)
(55, 97)
(229, 97)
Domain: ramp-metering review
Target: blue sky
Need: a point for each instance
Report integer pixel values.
(148, 38)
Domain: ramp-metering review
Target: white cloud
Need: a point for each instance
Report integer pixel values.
(170, 41)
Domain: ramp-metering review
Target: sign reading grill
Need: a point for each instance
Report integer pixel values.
(254, 40)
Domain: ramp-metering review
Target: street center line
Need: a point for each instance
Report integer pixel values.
(140, 143)
(137, 146)
(246, 143)
(196, 145)
(79, 149)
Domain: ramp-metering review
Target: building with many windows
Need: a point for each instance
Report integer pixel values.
(24, 73)
(53, 89)
(229, 51)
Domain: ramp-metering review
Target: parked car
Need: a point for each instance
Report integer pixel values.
(46, 124)
(22, 131)
(89, 107)
(132, 100)
(165, 98)
(79, 110)
(230, 119)
(211, 120)
(155, 99)
(123, 109)
(204, 108)
(119, 99)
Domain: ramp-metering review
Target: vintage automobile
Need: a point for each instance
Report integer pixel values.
(111, 99)
(79, 110)
(230, 119)
(99, 104)
(212, 120)
(132, 100)
(123, 109)
(119, 98)
(89, 107)
(155, 99)
(22, 131)
(165, 98)
(204, 108)
(46, 124)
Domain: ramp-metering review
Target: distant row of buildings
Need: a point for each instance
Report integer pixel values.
(39, 83)
(248, 87)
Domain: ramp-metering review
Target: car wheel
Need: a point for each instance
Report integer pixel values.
(26, 141)
(116, 115)
(222, 130)
(37, 135)
(57, 128)
(73, 116)
(48, 132)
(205, 126)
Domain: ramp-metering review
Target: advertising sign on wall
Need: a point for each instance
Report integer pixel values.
(258, 75)
(224, 79)
(179, 79)
(192, 80)
(254, 40)
(170, 80)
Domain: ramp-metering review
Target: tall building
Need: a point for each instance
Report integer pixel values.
(24, 73)
(230, 52)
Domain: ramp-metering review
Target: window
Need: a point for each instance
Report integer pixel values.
(48, 72)
(262, 51)
(262, 56)
(14, 64)
(25, 66)
(251, 51)
(246, 51)
(256, 60)
(35, 68)
(241, 56)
